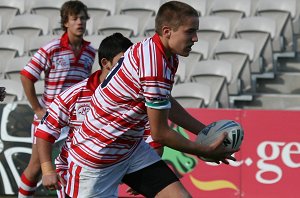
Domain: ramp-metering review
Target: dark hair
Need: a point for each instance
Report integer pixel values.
(173, 14)
(72, 8)
(113, 45)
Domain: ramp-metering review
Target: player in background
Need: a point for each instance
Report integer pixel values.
(65, 62)
(70, 107)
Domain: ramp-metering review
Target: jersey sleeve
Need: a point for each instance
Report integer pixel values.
(38, 63)
(156, 78)
(56, 117)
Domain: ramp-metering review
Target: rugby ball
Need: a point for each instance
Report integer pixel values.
(211, 132)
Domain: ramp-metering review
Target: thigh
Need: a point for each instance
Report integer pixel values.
(152, 179)
(104, 182)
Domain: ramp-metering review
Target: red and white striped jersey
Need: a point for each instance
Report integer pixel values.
(116, 122)
(68, 109)
(61, 67)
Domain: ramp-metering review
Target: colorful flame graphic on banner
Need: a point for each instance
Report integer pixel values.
(213, 185)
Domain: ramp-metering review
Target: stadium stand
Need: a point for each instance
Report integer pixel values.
(272, 26)
(233, 10)
(198, 98)
(125, 24)
(144, 10)
(14, 90)
(217, 74)
(213, 29)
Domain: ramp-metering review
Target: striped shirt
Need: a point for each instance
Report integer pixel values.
(116, 122)
(69, 109)
(61, 67)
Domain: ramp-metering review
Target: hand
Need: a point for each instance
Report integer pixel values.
(51, 181)
(216, 152)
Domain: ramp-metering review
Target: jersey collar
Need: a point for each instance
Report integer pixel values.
(94, 80)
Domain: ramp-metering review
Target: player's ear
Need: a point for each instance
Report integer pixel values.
(166, 31)
(105, 63)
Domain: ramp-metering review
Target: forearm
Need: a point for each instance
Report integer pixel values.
(163, 134)
(181, 117)
(44, 150)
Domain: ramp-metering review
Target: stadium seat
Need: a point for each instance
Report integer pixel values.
(48, 9)
(37, 42)
(180, 73)
(142, 9)
(199, 5)
(10, 46)
(199, 52)
(14, 66)
(218, 75)
(99, 9)
(14, 90)
(198, 98)
(282, 12)
(9, 9)
(233, 10)
(125, 24)
(29, 25)
(213, 29)
(149, 29)
(95, 40)
(261, 31)
(239, 52)
(137, 39)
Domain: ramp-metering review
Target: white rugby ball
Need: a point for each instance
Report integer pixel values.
(211, 132)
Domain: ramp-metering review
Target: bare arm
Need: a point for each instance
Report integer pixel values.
(50, 178)
(30, 93)
(181, 117)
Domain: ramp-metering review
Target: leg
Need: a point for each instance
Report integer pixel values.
(174, 190)
(156, 180)
(30, 175)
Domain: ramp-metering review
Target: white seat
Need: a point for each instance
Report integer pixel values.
(234, 10)
(261, 31)
(180, 73)
(191, 95)
(239, 52)
(199, 52)
(46, 8)
(95, 40)
(218, 75)
(213, 29)
(282, 12)
(142, 9)
(36, 43)
(14, 66)
(137, 39)
(29, 25)
(125, 24)
(100, 9)
(9, 9)
(10, 46)
(149, 29)
(199, 5)
(14, 90)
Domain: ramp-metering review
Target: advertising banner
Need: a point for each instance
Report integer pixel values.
(267, 166)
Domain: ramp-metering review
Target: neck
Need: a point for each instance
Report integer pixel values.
(103, 74)
(75, 41)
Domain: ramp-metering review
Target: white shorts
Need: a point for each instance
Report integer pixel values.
(104, 182)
